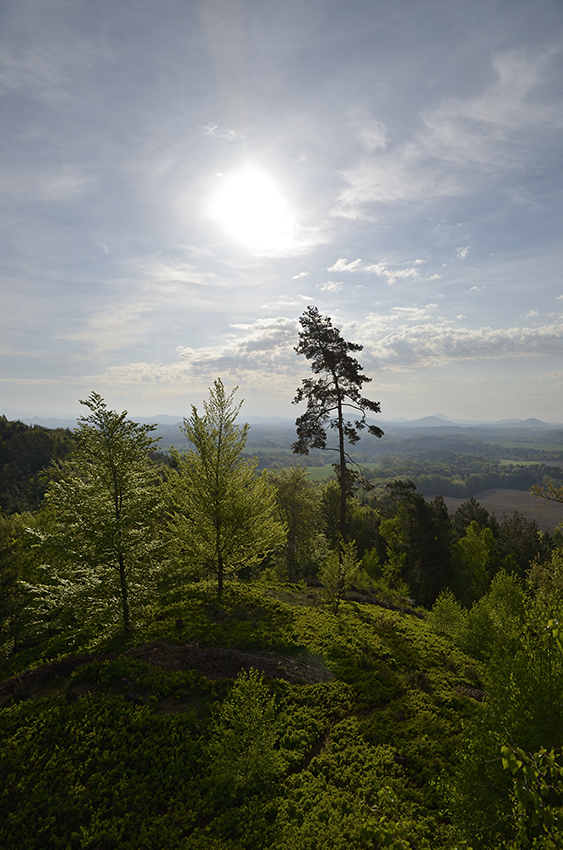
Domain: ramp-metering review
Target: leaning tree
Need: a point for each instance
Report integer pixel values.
(332, 397)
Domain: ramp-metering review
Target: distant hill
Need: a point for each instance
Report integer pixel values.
(438, 420)
(277, 432)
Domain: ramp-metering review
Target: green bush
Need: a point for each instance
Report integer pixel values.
(244, 732)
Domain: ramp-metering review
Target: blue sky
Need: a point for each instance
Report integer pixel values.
(180, 180)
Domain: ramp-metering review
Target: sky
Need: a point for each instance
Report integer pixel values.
(180, 180)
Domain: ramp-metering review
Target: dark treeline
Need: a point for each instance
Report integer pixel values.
(25, 452)
(409, 543)
(463, 476)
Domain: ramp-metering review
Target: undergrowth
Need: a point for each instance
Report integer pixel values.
(116, 753)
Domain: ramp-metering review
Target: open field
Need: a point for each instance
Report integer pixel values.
(547, 514)
(323, 473)
(510, 462)
(527, 444)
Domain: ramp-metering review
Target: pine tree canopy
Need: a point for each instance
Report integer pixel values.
(338, 388)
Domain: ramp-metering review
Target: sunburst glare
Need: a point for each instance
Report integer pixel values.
(251, 208)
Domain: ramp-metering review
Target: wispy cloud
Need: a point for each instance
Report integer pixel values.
(58, 184)
(381, 269)
(372, 134)
(220, 133)
(175, 271)
(45, 65)
(31, 68)
(460, 143)
(110, 329)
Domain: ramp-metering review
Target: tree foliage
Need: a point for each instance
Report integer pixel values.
(16, 572)
(103, 508)
(244, 733)
(509, 631)
(223, 512)
(338, 575)
(299, 508)
(333, 397)
(418, 537)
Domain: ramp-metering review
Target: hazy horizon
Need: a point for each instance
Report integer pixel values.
(171, 419)
(181, 180)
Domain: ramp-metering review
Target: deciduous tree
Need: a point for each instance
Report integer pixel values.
(16, 570)
(339, 573)
(299, 507)
(223, 511)
(244, 734)
(104, 505)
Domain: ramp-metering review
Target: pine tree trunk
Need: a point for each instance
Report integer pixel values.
(342, 454)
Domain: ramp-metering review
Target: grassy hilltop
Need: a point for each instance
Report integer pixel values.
(117, 747)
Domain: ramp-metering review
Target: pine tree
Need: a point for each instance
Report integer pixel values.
(332, 396)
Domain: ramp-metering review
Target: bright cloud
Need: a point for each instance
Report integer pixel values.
(392, 275)
(342, 265)
(330, 285)
(380, 269)
(439, 342)
(218, 133)
(256, 345)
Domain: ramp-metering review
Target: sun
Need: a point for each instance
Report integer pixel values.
(252, 209)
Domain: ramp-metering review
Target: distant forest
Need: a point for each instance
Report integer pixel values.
(25, 453)
(445, 464)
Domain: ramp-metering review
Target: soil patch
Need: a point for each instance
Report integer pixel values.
(219, 663)
(212, 662)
